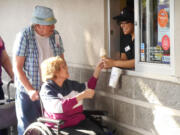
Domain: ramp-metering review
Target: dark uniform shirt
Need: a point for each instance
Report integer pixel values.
(127, 46)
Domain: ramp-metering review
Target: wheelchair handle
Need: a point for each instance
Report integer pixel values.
(10, 100)
(8, 92)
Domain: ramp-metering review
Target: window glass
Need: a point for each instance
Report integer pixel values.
(155, 31)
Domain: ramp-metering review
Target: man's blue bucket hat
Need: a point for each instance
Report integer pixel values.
(43, 16)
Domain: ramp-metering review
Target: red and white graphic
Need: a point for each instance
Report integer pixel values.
(165, 42)
(162, 18)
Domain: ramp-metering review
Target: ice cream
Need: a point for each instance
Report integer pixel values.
(102, 53)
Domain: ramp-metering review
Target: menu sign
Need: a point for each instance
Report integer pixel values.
(164, 30)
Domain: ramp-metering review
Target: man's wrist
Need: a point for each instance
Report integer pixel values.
(31, 92)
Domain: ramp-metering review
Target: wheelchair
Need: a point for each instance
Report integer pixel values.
(8, 118)
(40, 127)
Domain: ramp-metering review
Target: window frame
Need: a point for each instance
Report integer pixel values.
(165, 69)
(152, 70)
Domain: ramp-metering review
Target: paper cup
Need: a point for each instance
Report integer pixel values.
(114, 78)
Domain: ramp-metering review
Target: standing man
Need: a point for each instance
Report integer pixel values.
(126, 23)
(6, 64)
(32, 46)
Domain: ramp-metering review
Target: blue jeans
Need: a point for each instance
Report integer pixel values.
(27, 111)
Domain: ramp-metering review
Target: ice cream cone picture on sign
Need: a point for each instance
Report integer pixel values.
(162, 18)
(102, 53)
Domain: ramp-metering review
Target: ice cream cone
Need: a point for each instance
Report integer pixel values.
(103, 53)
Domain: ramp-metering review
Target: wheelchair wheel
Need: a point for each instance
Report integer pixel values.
(37, 128)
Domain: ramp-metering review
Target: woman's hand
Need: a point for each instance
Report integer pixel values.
(98, 69)
(87, 94)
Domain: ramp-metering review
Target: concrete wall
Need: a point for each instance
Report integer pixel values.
(80, 23)
(139, 105)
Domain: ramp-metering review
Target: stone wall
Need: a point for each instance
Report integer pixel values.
(138, 106)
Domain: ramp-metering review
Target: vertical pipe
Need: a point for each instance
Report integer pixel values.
(148, 29)
(108, 22)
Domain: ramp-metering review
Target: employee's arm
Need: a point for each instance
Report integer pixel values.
(126, 63)
(123, 56)
(123, 62)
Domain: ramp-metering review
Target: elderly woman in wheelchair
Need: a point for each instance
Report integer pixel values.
(62, 98)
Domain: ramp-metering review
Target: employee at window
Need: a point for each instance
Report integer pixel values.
(126, 22)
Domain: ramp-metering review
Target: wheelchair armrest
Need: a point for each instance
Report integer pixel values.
(95, 112)
(49, 120)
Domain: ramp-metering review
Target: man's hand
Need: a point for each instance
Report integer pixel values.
(33, 94)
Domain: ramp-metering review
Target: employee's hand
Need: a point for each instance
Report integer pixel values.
(33, 94)
(108, 63)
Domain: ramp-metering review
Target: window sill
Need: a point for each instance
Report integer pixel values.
(160, 77)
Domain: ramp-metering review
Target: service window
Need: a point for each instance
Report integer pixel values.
(153, 34)
(155, 31)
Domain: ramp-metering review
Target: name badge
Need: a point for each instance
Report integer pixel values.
(127, 48)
